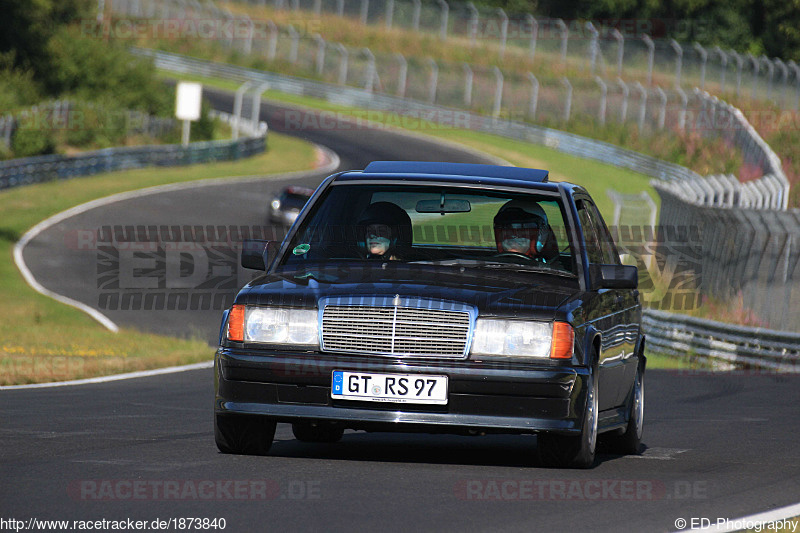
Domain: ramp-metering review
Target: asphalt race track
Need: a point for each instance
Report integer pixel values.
(717, 445)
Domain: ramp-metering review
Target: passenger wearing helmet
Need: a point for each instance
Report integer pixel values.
(387, 231)
(521, 229)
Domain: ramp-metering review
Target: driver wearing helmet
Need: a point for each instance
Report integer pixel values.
(521, 229)
(386, 231)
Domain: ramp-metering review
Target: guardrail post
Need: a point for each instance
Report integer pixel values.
(340, 8)
(389, 16)
(472, 25)
(662, 110)
(703, 59)
(7, 123)
(651, 51)
(785, 75)
(415, 15)
(739, 65)
(433, 80)
(248, 41)
(237, 108)
(723, 57)
(568, 100)
(255, 113)
(498, 92)
(593, 46)
(678, 60)
(642, 104)
(232, 18)
(617, 35)
(295, 37)
(503, 31)
(317, 7)
(623, 110)
(756, 68)
(796, 69)
(445, 15)
(534, 98)
(369, 76)
(344, 56)
(402, 76)
(272, 45)
(684, 105)
(534, 24)
(603, 98)
(364, 11)
(770, 73)
(320, 59)
(564, 40)
(468, 78)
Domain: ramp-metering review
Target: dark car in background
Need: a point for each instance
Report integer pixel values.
(285, 206)
(437, 297)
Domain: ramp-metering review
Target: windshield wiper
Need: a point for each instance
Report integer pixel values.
(526, 268)
(499, 265)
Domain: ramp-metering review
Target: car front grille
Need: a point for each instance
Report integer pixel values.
(404, 327)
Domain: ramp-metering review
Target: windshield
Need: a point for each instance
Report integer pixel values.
(435, 224)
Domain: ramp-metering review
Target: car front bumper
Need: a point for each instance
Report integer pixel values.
(482, 396)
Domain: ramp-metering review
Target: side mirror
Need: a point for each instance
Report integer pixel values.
(614, 276)
(255, 254)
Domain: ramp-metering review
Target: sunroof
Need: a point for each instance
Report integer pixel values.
(457, 169)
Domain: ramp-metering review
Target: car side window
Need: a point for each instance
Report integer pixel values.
(593, 249)
(609, 249)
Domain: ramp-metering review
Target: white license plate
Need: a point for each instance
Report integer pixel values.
(398, 388)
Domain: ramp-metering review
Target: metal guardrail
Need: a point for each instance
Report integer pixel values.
(508, 91)
(717, 342)
(666, 332)
(609, 48)
(349, 96)
(29, 170)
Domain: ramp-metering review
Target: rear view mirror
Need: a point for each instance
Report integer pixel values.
(255, 254)
(614, 276)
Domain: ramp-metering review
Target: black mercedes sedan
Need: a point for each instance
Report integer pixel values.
(437, 297)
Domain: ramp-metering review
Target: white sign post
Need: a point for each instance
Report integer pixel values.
(187, 105)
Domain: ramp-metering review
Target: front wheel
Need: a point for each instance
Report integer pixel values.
(566, 451)
(629, 442)
(243, 434)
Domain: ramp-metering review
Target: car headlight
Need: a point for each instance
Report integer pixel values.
(273, 325)
(520, 338)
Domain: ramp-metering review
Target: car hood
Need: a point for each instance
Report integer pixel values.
(492, 292)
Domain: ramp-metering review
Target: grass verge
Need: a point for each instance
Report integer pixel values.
(42, 340)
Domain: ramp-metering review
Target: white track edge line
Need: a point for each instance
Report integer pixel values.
(19, 246)
(115, 377)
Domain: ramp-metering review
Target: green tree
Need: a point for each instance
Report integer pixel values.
(26, 27)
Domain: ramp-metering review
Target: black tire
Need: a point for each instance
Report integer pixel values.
(244, 435)
(630, 441)
(566, 451)
(312, 432)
